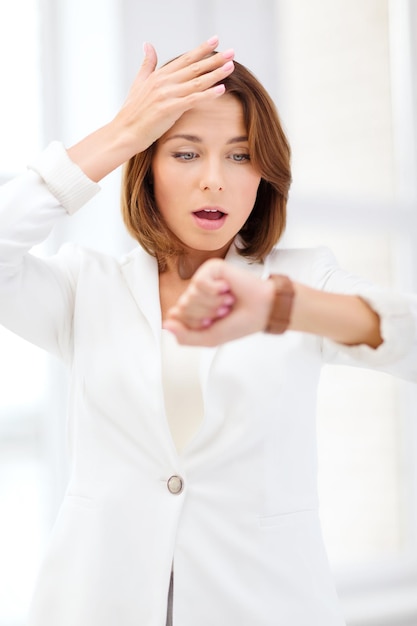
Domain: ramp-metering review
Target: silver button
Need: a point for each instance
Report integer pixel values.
(175, 484)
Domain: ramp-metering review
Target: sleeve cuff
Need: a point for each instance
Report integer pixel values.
(64, 179)
(398, 330)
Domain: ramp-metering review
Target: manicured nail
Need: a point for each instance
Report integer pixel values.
(228, 300)
(213, 41)
(228, 54)
(228, 66)
(222, 311)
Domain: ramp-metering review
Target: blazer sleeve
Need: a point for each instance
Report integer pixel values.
(37, 295)
(397, 354)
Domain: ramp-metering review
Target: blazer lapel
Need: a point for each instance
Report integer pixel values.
(140, 270)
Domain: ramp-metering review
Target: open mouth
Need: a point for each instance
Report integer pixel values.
(209, 214)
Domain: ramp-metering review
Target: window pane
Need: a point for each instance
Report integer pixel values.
(22, 525)
(20, 127)
(336, 95)
(23, 368)
(337, 109)
(360, 425)
(22, 374)
(361, 415)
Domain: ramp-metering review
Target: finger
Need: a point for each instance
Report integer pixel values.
(214, 334)
(191, 310)
(189, 83)
(191, 322)
(198, 62)
(207, 289)
(203, 66)
(198, 320)
(192, 317)
(189, 319)
(189, 337)
(149, 62)
(223, 310)
(214, 269)
(193, 56)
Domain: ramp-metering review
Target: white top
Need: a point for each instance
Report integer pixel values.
(182, 389)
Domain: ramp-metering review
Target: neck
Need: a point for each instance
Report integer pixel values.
(187, 264)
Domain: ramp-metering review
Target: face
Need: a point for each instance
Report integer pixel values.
(204, 183)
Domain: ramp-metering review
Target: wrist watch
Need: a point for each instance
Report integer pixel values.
(280, 313)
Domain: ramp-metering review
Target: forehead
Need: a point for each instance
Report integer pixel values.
(224, 114)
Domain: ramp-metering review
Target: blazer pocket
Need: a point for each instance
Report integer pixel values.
(287, 519)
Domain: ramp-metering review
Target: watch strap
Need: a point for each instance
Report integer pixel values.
(280, 313)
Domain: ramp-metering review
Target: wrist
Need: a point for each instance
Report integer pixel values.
(280, 311)
(102, 151)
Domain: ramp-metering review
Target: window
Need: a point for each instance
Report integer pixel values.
(343, 103)
(49, 56)
(23, 368)
(20, 127)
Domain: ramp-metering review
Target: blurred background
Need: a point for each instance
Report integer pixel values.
(343, 74)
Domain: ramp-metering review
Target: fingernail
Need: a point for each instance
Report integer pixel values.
(228, 300)
(206, 322)
(228, 66)
(145, 48)
(223, 310)
(228, 54)
(213, 41)
(219, 89)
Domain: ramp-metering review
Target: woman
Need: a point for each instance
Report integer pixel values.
(192, 497)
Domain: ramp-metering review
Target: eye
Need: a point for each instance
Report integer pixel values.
(240, 157)
(185, 156)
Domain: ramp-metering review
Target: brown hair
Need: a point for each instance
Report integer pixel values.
(270, 154)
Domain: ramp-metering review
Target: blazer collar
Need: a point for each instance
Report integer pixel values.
(140, 270)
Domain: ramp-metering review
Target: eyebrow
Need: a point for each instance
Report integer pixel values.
(196, 139)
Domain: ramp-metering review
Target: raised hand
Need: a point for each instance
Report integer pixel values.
(156, 99)
(203, 317)
(221, 303)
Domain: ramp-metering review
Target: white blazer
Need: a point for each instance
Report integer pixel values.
(239, 521)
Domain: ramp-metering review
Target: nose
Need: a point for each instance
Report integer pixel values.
(211, 178)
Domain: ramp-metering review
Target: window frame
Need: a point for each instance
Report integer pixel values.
(384, 594)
